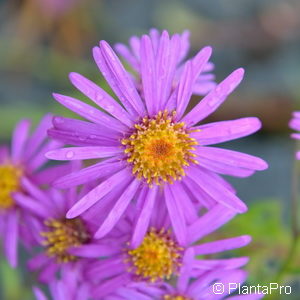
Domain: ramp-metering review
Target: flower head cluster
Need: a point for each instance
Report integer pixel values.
(130, 222)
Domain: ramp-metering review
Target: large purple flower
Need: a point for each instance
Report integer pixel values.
(295, 124)
(150, 140)
(22, 162)
(203, 84)
(159, 256)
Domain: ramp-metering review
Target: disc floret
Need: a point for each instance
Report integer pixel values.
(160, 148)
(9, 182)
(157, 258)
(62, 235)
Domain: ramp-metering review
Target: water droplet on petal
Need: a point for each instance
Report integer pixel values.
(69, 154)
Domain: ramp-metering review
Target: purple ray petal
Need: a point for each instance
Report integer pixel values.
(215, 217)
(100, 97)
(90, 113)
(222, 245)
(94, 250)
(97, 193)
(234, 158)
(118, 209)
(214, 99)
(79, 153)
(188, 78)
(176, 216)
(38, 136)
(143, 219)
(87, 174)
(216, 190)
(19, 139)
(224, 131)
(148, 74)
(11, 238)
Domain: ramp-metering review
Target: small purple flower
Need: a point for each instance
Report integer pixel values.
(295, 124)
(70, 287)
(149, 141)
(203, 84)
(159, 257)
(56, 235)
(22, 162)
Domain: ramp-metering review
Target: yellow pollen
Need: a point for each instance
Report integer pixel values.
(62, 235)
(9, 183)
(157, 258)
(160, 148)
(174, 297)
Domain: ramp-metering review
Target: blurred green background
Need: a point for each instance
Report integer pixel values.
(41, 41)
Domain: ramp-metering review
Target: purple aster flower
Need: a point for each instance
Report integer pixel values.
(203, 84)
(150, 141)
(295, 124)
(56, 235)
(70, 287)
(159, 257)
(22, 162)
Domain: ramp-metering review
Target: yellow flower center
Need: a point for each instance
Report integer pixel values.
(158, 256)
(160, 148)
(174, 297)
(62, 235)
(9, 183)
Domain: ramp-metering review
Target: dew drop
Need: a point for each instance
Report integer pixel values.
(69, 154)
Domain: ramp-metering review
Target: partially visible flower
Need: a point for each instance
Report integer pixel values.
(56, 8)
(295, 124)
(205, 81)
(55, 235)
(160, 257)
(70, 287)
(24, 161)
(214, 284)
(150, 141)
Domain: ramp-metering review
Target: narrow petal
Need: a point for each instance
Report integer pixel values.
(79, 153)
(118, 79)
(31, 205)
(84, 129)
(19, 139)
(148, 74)
(222, 245)
(211, 221)
(110, 286)
(124, 51)
(90, 113)
(167, 58)
(188, 78)
(97, 193)
(39, 295)
(225, 264)
(216, 190)
(94, 250)
(231, 158)
(214, 99)
(118, 209)
(219, 132)
(100, 97)
(88, 174)
(224, 169)
(11, 238)
(144, 217)
(38, 136)
(176, 216)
